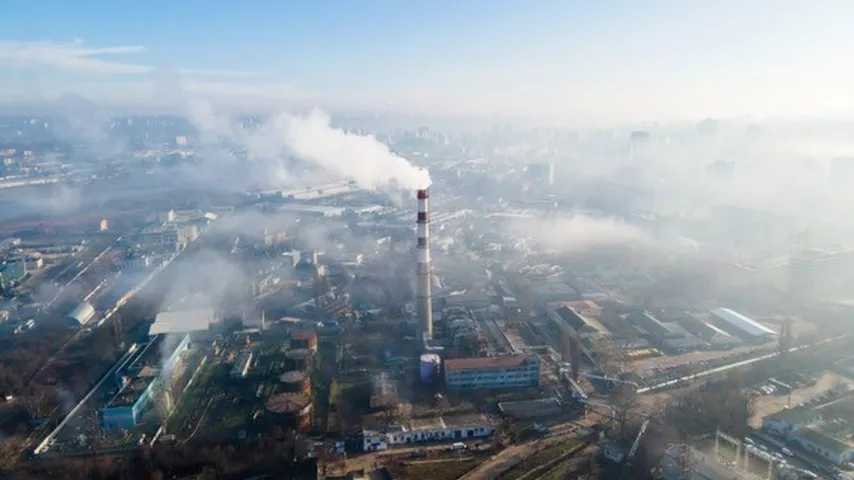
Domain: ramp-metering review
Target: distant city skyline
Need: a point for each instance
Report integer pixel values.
(561, 61)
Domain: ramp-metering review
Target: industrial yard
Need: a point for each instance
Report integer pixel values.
(472, 307)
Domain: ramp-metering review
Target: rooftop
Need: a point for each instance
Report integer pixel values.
(473, 363)
(741, 322)
(181, 321)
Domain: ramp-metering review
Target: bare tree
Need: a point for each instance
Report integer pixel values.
(624, 401)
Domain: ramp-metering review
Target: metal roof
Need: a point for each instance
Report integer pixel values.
(476, 363)
(742, 323)
(83, 313)
(182, 321)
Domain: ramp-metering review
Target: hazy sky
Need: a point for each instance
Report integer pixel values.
(559, 60)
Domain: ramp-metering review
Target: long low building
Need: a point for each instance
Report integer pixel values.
(183, 321)
(141, 380)
(506, 371)
(82, 313)
(824, 430)
(422, 430)
(735, 322)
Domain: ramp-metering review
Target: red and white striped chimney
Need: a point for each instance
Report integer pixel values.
(423, 296)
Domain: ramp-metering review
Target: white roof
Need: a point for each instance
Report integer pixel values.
(182, 321)
(83, 313)
(742, 323)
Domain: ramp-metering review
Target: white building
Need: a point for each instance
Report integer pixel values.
(735, 322)
(437, 429)
(183, 321)
(83, 313)
(824, 430)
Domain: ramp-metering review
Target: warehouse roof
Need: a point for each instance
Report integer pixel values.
(741, 322)
(82, 313)
(183, 321)
(475, 363)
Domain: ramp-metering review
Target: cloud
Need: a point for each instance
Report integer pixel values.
(73, 56)
(76, 57)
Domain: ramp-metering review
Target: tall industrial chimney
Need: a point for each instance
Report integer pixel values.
(423, 298)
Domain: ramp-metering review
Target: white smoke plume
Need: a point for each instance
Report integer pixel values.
(313, 141)
(578, 233)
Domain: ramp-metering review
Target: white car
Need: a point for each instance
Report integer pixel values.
(787, 452)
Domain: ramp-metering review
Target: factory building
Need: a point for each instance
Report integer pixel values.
(669, 336)
(734, 322)
(320, 211)
(142, 380)
(82, 313)
(437, 429)
(564, 313)
(506, 371)
(168, 236)
(184, 321)
(823, 430)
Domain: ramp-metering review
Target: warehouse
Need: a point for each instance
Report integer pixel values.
(183, 321)
(734, 322)
(140, 380)
(83, 313)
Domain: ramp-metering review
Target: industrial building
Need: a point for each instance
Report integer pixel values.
(183, 321)
(734, 322)
(437, 429)
(506, 371)
(824, 430)
(669, 336)
(564, 313)
(82, 313)
(143, 379)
